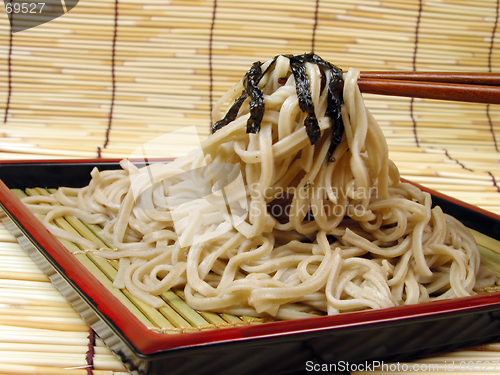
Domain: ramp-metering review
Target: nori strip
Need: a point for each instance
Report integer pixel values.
(231, 113)
(257, 106)
(302, 86)
(334, 103)
(332, 75)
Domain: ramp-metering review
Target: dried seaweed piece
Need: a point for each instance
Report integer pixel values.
(332, 76)
(336, 123)
(323, 64)
(231, 113)
(334, 103)
(257, 105)
(302, 86)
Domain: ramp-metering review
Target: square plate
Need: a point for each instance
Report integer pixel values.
(391, 334)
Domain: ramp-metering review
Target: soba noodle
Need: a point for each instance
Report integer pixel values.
(304, 213)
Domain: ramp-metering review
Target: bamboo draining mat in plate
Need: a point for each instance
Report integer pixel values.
(114, 74)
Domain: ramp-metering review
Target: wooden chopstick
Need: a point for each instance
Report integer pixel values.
(487, 79)
(461, 87)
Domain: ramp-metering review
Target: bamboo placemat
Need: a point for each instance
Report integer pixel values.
(111, 75)
(40, 333)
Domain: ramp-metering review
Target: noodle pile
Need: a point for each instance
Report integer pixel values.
(291, 206)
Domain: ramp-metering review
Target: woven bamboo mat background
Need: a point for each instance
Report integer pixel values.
(111, 75)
